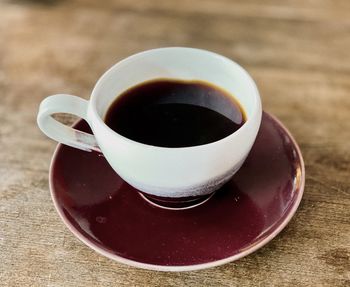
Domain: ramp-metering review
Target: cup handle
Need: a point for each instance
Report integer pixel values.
(59, 132)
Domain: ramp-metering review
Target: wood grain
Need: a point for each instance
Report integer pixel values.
(298, 52)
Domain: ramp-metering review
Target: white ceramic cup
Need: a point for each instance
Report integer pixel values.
(159, 171)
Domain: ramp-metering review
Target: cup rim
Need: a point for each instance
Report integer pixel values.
(256, 106)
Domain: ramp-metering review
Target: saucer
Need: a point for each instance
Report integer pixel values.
(113, 218)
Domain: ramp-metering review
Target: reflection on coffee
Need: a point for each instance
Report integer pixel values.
(175, 113)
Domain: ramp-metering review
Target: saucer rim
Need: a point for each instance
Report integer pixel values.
(193, 267)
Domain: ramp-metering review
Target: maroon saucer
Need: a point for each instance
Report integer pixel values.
(111, 217)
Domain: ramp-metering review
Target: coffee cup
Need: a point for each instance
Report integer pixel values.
(163, 174)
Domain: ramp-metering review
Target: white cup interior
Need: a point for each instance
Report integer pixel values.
(175, 63)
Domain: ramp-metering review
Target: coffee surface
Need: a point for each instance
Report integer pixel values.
(175, 113)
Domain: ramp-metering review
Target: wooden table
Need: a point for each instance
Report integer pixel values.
(297, 51)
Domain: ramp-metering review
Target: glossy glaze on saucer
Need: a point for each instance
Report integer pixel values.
(111, 217)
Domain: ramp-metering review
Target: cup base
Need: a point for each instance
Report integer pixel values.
(176, 203)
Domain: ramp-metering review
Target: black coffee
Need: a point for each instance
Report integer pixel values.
(174, 113)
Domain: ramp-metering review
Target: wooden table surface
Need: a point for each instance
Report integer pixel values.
(297, 51)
